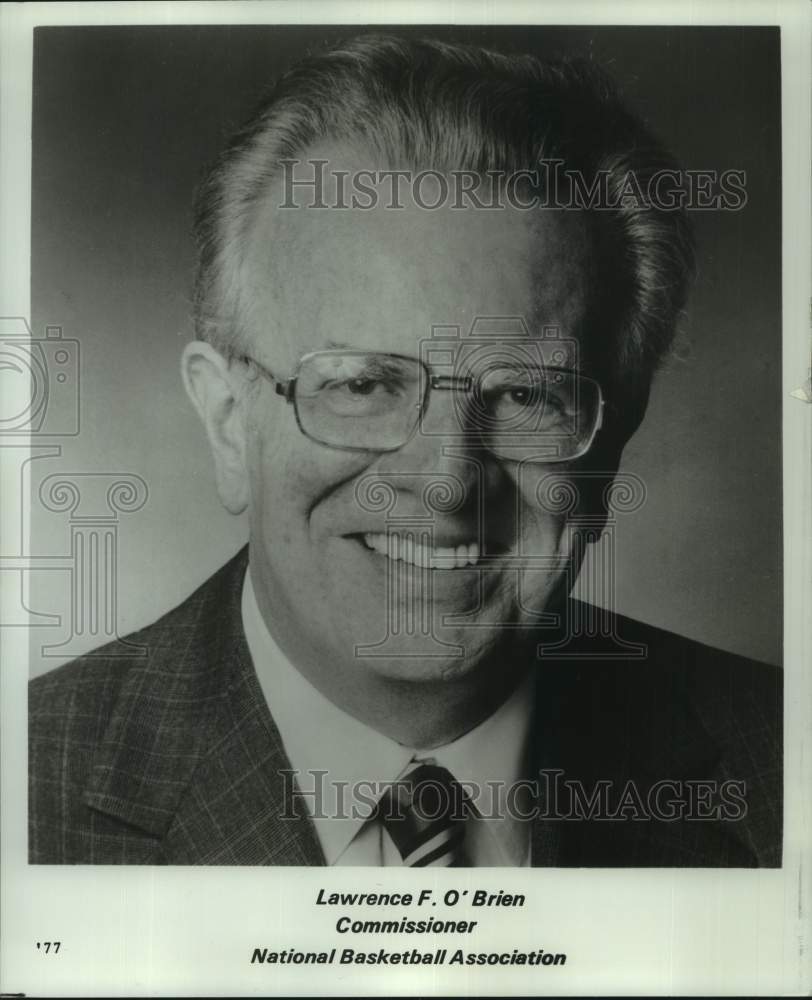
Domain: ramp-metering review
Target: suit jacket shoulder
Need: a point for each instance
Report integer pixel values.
(171, 757)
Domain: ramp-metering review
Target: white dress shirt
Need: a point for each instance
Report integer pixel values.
(320, 737)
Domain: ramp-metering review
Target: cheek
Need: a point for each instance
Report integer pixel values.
(290, 477)
(281, 479)
(543, 503)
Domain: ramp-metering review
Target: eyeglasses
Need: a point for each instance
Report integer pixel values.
(374, 402)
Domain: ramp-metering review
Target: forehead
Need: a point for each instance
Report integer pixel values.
(384, 277)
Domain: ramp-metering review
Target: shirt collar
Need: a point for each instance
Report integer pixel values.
(331, 751)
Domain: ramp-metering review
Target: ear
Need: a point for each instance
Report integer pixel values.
(212, 388)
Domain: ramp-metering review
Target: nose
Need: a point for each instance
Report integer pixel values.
(443, 452)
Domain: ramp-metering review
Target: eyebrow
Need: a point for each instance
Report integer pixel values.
(376, 363)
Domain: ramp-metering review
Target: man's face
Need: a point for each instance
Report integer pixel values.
(380, 280)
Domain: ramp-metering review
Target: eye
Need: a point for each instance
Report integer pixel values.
(362, 386)
(521, 394)
(362, 394)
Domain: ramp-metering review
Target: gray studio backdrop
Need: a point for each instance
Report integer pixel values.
(124, 121)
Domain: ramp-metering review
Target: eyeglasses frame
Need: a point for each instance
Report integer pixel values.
(286, 388)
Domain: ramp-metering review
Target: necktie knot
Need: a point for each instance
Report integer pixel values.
(424, 813)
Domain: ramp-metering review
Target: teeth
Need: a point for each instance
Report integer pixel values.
(444, 557)
(410, 551)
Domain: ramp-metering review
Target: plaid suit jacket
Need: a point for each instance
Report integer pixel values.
(174, 757)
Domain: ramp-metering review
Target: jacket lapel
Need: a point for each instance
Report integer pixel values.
(623, 722)
(191, 754)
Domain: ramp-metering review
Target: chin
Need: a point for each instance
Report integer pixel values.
(443, 654)
(420, 668)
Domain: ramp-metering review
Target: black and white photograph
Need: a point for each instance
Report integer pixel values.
(404, 472)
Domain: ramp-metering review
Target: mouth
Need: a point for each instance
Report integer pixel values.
(413, 552)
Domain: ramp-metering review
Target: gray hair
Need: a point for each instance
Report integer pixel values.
(449, 107)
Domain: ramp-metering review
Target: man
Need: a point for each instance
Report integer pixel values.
(431, 297)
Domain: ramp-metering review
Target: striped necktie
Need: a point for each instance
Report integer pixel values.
(424, 813)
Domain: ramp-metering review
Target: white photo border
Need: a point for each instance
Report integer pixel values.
(143, 931)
